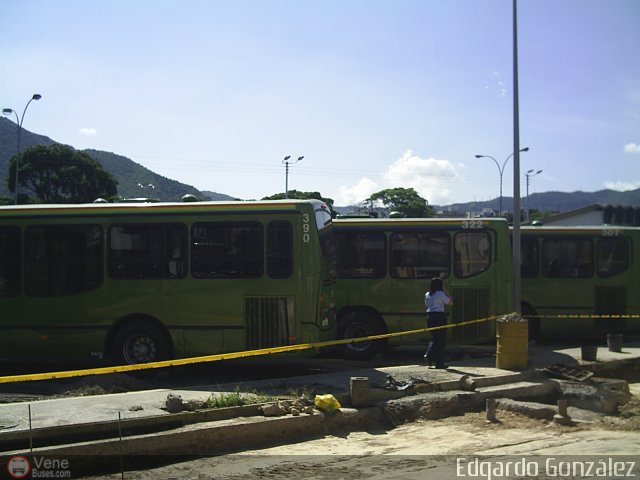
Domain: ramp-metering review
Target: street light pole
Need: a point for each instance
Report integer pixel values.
(501, 170)
(529, 174)
(515, 244)
(286, 173)
(8, 111)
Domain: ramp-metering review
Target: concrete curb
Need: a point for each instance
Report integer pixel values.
(59, 434)
(209, 438)
(530, 409)
(438, 405)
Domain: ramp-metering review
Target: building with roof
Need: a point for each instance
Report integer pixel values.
(595, 214)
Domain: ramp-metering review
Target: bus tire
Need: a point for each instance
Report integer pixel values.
(140, 342)
(361, 324)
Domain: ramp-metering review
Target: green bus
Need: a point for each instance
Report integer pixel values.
(590, 271)
(139, 282)
(384, 267)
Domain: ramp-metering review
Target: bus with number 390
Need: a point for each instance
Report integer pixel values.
(135, 283)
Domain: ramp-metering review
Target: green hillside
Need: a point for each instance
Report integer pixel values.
(134, 180)
(129, 174)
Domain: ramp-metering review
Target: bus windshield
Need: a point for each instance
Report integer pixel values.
(325, 232)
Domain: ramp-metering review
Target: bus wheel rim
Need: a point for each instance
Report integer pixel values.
(356, 330)
(139, 349)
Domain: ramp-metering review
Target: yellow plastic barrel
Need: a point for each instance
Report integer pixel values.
(512, 345)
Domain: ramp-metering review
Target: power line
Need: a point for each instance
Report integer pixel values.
(241, 167)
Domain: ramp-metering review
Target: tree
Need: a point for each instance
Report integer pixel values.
(297, 195)
(406, 201)
(60, 174)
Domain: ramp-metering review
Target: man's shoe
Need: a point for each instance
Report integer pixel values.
(428, 360)
(442, 367)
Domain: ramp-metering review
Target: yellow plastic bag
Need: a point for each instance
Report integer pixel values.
(327, 402)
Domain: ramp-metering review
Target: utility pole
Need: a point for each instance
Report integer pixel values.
(286, 173)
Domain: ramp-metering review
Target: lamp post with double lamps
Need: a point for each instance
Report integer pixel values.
(501, 170)
(19, 121)
(286, 173)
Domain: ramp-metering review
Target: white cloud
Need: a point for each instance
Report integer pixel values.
(428, 176)
(632, 148)
(89, 132)
(622, 186)
(496, 85)
(357, 193)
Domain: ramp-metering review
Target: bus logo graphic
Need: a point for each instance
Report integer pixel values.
(18, 467)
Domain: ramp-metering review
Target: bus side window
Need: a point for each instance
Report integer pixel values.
(612, 256)
(530, 258)
(279, 249)
(361, 254)
(176, 250)
(419, 254)
(567, 257)
(139, 251)
(472, 253)
(10, 265)
(62, 259)
(227, 250)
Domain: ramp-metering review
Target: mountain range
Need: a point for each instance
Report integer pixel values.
(134, 181)
(552, 201)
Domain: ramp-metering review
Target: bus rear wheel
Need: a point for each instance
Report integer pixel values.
(140, 342)
(356, 325)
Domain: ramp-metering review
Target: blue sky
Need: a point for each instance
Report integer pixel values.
(374, 93)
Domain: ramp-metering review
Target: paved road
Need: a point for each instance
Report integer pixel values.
(244, 370)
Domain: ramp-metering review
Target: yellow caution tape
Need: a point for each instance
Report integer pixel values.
(264, 351)
(221, 356)
(580, 315)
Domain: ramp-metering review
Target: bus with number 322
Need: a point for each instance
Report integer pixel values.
(384, 267)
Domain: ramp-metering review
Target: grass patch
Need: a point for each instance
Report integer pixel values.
(306, 392)
(237, 399)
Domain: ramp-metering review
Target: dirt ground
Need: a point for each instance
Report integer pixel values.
(423, 449)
